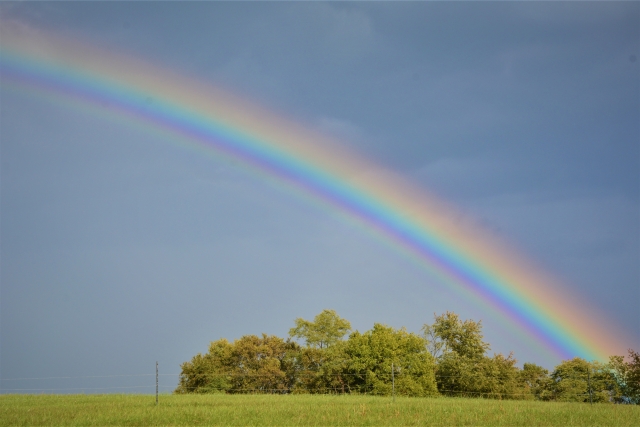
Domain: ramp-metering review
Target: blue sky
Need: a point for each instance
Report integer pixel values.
(120, 248)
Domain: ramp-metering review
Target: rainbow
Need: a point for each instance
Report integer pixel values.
(431, 232)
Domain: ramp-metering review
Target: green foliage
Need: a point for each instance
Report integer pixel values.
(250, 364)
(323, 370)
(369, 357)
(633, 377)
(207, 373)
(535, 381)
(627, 376)
(448, 359)
(450, 334)
(577, 380)
(463, 369)
(326, 329)
(361, 364)
(264, 364)
(494, 377)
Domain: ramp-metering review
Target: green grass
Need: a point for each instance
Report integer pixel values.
(140, 410)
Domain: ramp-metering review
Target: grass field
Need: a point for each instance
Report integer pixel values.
(140, 410)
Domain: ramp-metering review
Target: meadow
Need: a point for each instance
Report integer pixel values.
(305, 410)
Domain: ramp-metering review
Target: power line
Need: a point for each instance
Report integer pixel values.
(285, 383)
(85, 376)
(76, 388)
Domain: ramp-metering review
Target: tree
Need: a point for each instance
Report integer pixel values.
(627, 376)
(494, 377)
(324, 370)
(208, 373)
(326, 329)
(266, 364)
(633, 376)
(435, 345)
(577, 380)
(263, 364)
(535, 380)
(369, 357)
(462, 367)
(450, 334)
(450, 358)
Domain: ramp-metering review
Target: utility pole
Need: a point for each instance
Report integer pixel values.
(156, 383)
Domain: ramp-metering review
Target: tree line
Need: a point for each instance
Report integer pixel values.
(449, 357)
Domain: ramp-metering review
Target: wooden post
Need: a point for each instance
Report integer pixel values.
(156, 382)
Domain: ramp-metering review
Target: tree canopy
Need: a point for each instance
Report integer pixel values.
(627, 376)
(449, 358)
(249, 364)
(450, 334)
(372, 355)
(326, 329)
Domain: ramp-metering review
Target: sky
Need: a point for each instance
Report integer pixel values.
(120, 248)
